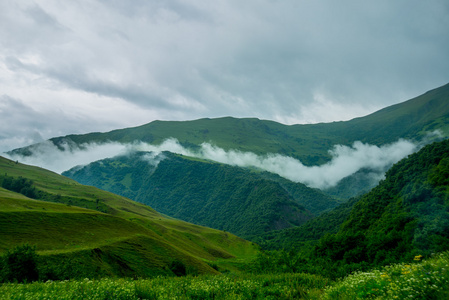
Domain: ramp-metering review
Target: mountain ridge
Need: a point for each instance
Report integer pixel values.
(309, 143)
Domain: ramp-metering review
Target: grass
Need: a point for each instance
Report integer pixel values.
(427, 279)
(129, 238)
(285, 286)
(56, 184)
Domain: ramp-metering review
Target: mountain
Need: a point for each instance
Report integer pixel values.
(412, 119)
(420, 120)
(406, 215)
(403, 219)
(242, 201)
(81, 231)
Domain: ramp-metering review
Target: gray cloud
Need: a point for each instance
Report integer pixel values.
(12, 113)
(23, 123)
(289, 61)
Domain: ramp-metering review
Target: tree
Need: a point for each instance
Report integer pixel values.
(178, 268)
(20, 264)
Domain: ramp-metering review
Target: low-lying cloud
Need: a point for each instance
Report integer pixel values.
(346, 160)
(49, 156)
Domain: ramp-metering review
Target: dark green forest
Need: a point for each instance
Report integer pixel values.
(307, 233)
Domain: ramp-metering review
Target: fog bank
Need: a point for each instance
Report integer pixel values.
(346, 160)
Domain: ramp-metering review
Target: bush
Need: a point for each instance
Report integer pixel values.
(178, 268)
(20, 264)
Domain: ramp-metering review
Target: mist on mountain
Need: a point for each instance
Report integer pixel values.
(346, 160)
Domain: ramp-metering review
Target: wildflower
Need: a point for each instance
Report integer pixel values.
(418, 257)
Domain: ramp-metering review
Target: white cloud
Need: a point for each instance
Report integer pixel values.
(345, 160)
(47, 155)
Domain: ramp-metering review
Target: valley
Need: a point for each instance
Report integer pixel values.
(221, 201)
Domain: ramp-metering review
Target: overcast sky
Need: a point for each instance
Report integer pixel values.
(82, 66)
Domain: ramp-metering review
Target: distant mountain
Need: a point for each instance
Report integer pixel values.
(224, 197)
(81, 231)
(412, 119)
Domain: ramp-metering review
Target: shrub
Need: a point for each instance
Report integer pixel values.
(178, 268)
(20, 264)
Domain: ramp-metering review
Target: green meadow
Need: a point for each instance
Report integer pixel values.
(427, 279)
(109, 236)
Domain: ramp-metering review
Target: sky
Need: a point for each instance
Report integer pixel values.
(87, 66)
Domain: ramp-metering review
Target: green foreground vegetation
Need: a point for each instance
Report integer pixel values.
(286, 286)
(427, 279)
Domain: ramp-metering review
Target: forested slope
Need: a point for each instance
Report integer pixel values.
(406, 215)
(220, 196)
(292, 239)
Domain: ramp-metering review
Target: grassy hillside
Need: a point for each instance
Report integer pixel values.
(220, 196)
(130, 239)
(411, 119)
(309, 143)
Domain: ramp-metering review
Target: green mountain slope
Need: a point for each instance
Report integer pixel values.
(406, 215)
(308, 233)
(220, 196)
(412, 119)
(130, 239)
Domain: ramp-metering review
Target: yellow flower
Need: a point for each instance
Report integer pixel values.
(418, 257)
